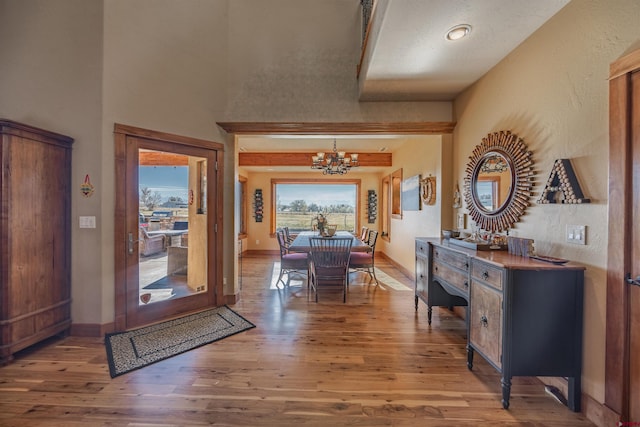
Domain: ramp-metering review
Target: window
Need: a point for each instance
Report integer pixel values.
(296, 203)
(385, 208)
(244, 210)
(396, 192)
(390, 206)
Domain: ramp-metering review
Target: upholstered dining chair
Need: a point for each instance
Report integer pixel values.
(364, 261)
(287, 235)
(364, 234)
(291, 261)
(329, 263)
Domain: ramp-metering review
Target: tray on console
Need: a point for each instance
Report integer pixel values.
(550, 259)
(477, 246)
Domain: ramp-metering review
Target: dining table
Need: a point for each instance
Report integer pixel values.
(302, 243)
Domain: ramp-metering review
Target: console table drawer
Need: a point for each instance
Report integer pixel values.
(457, 278)
(487, 273)
(455, 259)
(422, 248)
(485, 322)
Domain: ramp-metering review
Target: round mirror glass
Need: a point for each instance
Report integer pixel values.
(492, 183)
(498, 181)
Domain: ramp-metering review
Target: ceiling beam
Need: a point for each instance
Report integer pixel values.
(304, 159)
(337, 128)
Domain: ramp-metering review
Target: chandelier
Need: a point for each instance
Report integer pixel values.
(495, 163)
(336, 163)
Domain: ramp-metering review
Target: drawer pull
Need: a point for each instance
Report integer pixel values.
(466, 265)
(436, 253)
(485, 275)
(484, 321)
(466, 284)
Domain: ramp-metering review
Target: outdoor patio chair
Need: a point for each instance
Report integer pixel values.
(151, 245)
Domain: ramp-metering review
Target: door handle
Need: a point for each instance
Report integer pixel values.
(629, 280)
(130, 244)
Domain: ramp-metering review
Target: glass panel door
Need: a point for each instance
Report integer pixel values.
(172, 254)
(170, 239)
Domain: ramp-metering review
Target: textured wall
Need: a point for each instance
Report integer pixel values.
(296, 60)
(420, 156)
(553, 92)
(51, 77)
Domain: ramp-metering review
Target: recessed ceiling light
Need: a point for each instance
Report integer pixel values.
(458, 32)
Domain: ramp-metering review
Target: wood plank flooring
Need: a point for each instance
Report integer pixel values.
(373, 361)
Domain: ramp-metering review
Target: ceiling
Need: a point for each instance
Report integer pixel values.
(408, 58)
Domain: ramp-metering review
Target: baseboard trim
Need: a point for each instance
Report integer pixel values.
(596, 412)
(262, 252)
(92, 330)
(232, 299)
(410, 274)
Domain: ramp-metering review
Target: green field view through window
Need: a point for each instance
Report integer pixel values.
(297, 205)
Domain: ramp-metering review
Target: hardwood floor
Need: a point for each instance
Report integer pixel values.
(373, 361)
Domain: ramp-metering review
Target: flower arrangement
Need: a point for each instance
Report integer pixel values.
(320, 223)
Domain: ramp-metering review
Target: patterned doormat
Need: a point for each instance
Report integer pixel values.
(127, 351)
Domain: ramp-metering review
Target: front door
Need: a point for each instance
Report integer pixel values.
(166, 240)
(622, 388)
(633, 279)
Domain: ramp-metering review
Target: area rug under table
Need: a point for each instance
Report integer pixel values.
(135, 349)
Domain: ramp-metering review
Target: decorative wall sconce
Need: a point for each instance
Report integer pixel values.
(258, 205)
(372, 206)
(457, 198)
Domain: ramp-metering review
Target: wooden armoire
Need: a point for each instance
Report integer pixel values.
(35, 236)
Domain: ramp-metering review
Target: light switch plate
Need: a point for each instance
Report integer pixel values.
(577, 234)
(87, 222)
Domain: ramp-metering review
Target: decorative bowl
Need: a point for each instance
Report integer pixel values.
(447, 234)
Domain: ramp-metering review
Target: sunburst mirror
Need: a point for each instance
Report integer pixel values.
(498, 181)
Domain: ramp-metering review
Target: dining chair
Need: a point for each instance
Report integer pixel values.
(364, 261)
(329, 263)
(287, 234)
(291, 261)
(364, 234)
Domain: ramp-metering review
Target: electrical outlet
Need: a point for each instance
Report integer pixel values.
(257, 242)
(577, 234)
